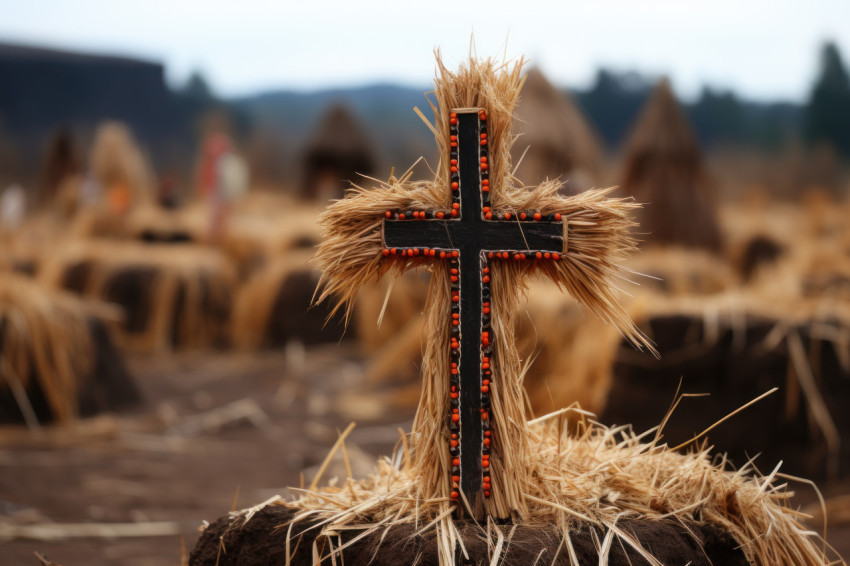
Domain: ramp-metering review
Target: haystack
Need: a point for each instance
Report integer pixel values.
(602, 496)
(121, 180)
(664, 169)
(275, 306)
(339, 153)
(555, 140)
(172, 296)
(57, 360)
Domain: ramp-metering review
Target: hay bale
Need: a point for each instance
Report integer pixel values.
(734, 351)
(556, 138)
(275, 307)
(338, 154)
(172, 296)
(60, 171)
(664, 169)
(57, 360)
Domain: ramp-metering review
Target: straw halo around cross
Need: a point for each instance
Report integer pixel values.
(469, 435)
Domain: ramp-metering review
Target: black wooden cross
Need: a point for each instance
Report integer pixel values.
(468, 236)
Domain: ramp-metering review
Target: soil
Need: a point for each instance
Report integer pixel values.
(262, 541)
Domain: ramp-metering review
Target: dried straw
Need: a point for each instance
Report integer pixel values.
(598, 476)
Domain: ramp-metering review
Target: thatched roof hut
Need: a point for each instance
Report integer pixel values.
(664, 170)
(560, 142)
(338, 154)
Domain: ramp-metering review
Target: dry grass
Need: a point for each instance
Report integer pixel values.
(44, 335)
(597, 476)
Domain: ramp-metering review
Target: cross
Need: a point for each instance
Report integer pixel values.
(469, 236)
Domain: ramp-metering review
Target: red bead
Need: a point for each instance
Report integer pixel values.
(556, 257)
(486, 493)
(486, 442)
(456, 462)
(401, 216)
(454, 213)
(522, 216)
(485, 389)
(486, 279)
(455, 253)
(440, 214)
(388, 214)
(455, 495)
(537, 216)
(456, 418)
(557, 216)
(455, 185)
(456, 205)
(488, 216)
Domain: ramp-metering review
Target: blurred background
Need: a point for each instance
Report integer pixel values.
(162, 167)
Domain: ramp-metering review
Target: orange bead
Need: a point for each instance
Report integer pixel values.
(455, 418)
(488, 216)
(440, 214)
(455, 253)
(507, 216)
(556, 257)
(522, 215)
(454, 213)
(388, 214)
(456, 462)
(538, 255)
(485, 389)
(484, 159)
(486, 442)
(486, 493)
(401, 216)
(557, 216)
(537, 216)
(486, 279)
(485, 181)
(455, 495)
(547, 255)
(453, 115)
(455, 185)
(486, 209)
(456, 205)
(385, 251)
(484, 166)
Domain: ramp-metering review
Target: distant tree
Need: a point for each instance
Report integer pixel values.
(197, 87)
(612, 103)
(827, 116)
(718, 117)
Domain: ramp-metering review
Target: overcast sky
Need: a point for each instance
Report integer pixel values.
(764, 49)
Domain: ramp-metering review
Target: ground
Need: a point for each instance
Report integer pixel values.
(216, 431)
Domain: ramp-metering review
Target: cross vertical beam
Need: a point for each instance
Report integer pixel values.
(471, 237)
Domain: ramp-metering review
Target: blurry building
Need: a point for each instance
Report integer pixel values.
(556, 138)
(664, 170)
(338, 154)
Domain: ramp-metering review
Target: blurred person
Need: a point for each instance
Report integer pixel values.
(12, 207)
(223, 179)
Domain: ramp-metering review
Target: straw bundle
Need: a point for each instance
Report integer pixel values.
(274, 306)
(56, 359)
(664, 168)
(601, 477)
(173, 295)
(596, 240)
(339, 152)
(555, 140)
